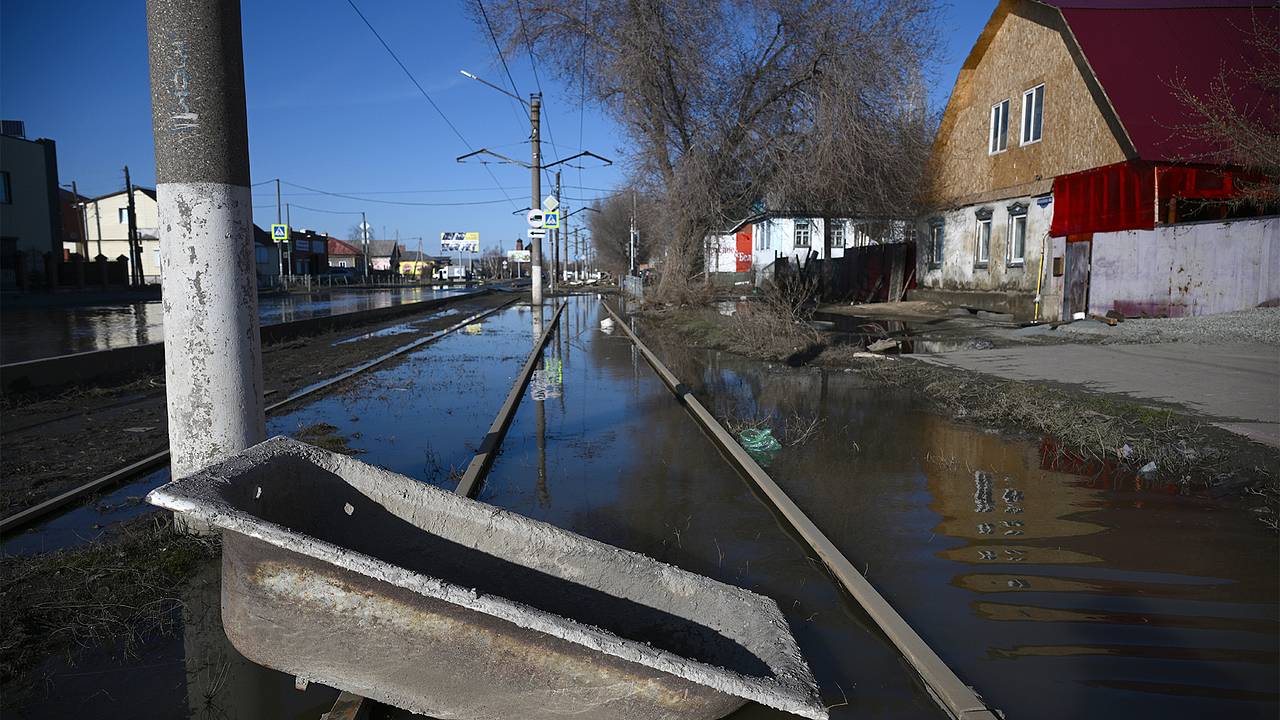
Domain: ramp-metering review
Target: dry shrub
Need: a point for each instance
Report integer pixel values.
(777, 324)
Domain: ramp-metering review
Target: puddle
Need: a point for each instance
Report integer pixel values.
(1043, 584)
(31, 333)
(87, 522)
(400, 329)
(908, 336)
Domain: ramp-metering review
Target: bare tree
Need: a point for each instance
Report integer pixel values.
(726, 102)
(611, 229)
(1238, 115)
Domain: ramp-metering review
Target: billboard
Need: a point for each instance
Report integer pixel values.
(520, 256)
(460, 242)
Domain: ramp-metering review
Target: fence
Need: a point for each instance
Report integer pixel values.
(633, 287)
(876, 273)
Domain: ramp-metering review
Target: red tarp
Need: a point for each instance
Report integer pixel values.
(1126, 196)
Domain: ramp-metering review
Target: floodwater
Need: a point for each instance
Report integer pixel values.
(1055, 589)
(33, 333)
(911, 336)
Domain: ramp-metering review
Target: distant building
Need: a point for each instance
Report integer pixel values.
(1059, 183)
(266, 257)
(307, 252)
(415, 263)
(107, 220)
(30, 208)
(761, 239)
(384, 256)
(343, 254)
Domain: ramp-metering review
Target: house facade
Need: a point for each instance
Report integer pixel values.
(342, 254)
(107, 226)
(30, 209)
(759, 241)
(1054, 140)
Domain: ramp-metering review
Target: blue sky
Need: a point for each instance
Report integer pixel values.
(328, 108)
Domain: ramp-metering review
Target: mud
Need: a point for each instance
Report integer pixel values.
(49, 446)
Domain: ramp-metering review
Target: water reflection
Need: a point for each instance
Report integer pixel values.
(30, 333)
(1056, 587)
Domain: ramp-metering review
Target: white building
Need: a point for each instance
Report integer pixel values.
(762, 239)
(107, 219)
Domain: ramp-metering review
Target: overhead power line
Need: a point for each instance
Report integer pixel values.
(418, 85)
(345, 196)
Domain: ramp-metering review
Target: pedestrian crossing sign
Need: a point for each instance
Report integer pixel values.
(280, 232)
(551, 219)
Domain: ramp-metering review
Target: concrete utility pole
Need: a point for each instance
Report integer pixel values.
(280, 246)
(213, 354)
(135, 252)
(555, 238)
(632, 244)
(97, 221)
(535, 243)
(364, 241)
(84, 222)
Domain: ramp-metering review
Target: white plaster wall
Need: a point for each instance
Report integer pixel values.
(1191, 269)
(721, 253)
(960, 270)
(145, 208)
(776, 237)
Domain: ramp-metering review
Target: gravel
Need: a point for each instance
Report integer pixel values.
(1256, 325)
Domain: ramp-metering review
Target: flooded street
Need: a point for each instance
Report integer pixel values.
(32, 333)
(1055, 590)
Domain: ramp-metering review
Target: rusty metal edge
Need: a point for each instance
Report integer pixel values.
(958, 699)
(32, 514)
(480, 463)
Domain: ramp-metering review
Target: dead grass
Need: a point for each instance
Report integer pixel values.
(326, 437)
(119, 590)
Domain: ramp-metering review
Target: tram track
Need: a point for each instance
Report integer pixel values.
(54, 505)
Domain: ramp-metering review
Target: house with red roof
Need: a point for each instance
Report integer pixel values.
(1063, 180)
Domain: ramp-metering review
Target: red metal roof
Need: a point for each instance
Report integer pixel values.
(339, 247)
(1137, 48)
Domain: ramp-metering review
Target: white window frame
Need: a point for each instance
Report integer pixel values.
(998, 132)
(982, 253)
(1027, 124)
(122, 215)
(802, 228)
(837, 233)
(1020, 260)
(936, 238)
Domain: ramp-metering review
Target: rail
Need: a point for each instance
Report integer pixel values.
(958, 699)
(488, 450)
(32, 514)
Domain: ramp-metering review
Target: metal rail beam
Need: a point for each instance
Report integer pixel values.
(488, 450)
(26, 517)
(958, 699)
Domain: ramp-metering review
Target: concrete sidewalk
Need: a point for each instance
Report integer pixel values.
(1237, 387)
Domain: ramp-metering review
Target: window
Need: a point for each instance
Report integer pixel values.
(802, 233)
(1017, 234)
(999, 136)
(935, 244)
(837, 233)
(984, 241)
(6, 196)
(122, 214)
(1032, 114)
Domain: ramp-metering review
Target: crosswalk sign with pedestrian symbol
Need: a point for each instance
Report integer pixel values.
(279, 232)
(551, 219)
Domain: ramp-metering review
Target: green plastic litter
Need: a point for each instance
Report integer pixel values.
(760, 445)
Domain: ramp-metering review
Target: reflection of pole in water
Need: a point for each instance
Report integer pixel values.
(540, 413)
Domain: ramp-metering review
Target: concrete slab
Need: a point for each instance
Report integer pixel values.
(348, 575)
(1234, 386)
